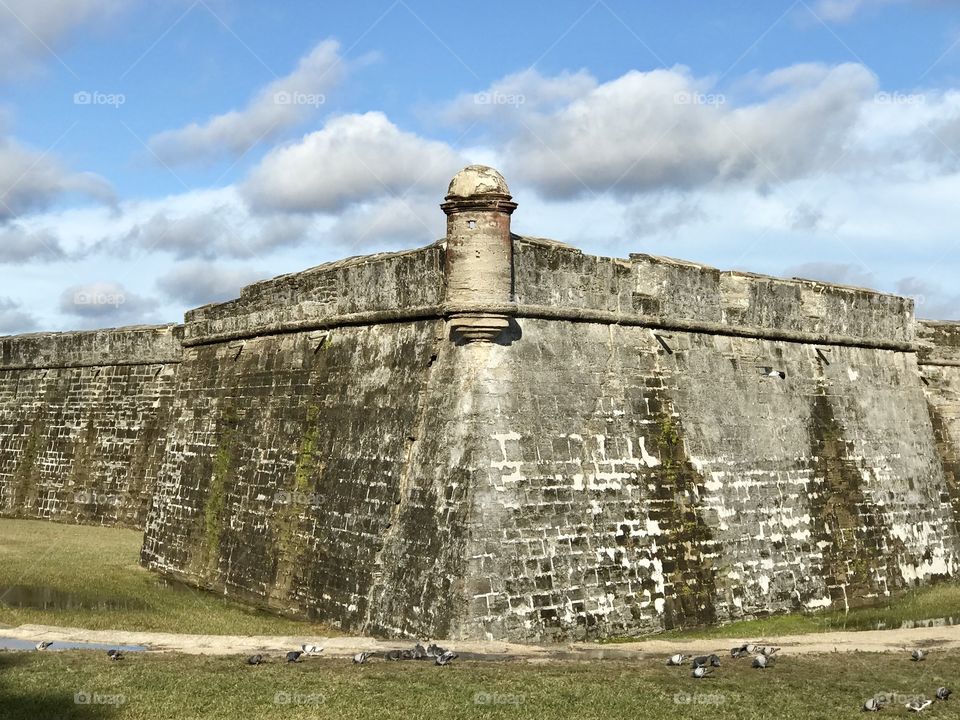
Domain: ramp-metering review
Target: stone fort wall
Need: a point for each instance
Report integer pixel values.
(566, 446)
(83, 422)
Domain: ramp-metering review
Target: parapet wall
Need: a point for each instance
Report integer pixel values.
(364, 290)
(555, 280)
(83, 418)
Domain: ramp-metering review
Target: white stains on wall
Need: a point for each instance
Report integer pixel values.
(649, 460)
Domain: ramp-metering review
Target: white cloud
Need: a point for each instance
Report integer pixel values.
(647, 131)
(18, 245)
(282, 104)
(31, 180)
(31, 29)
(220, 232)
(354, 158)
(933, 301)
(99, 304)
(389, 222)
(14, 319)
(832, 272)
(527, 90)
(198, 283)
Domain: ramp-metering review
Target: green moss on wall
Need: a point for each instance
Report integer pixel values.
(26, 478)
(288, 542)
(689, 578)
(223, 466)
(842, 517)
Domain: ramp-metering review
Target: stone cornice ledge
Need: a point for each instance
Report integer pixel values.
(199, 333)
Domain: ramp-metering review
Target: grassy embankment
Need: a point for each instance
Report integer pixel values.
(94, 575)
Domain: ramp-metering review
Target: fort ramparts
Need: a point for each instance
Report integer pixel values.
(499, 436)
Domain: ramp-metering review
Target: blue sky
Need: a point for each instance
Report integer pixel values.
(158, 156)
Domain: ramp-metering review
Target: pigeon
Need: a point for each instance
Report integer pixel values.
(114, 654)
(871, 705)
(701, 672)
(701, 661)
(760, 661)
(435, 649)
(676, 660)
(393, 655)
(943, 693)
(44, 645)
(360, 658)
(750, 648)
(420, 652)
(446, 658)
(406, 655)
(294, 656)
(917, 656)
(917, 705)
(714, 661)
(738, 652)
(311, 649)
(255, 660)
(769, 651)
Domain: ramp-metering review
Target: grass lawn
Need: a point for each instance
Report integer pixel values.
(44, 685)
(89, 578)
(928, 603)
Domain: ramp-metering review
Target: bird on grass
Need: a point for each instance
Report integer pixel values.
(871, 705)
(760, 662)
(44, 645)
(705, 660)
(311, 649)
(420, 652)
(701, 672)
(918, 655)
(446, 657)
(769, 651)
(115, 654)
(676, 660)
(434, 650)
(294, 656)
(360, 658)
(943, 693)
(918, 705)
(393, 655)
(738, 652)
(255, 660)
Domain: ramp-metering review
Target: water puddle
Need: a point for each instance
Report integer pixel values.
(39, 597)
(15, 644)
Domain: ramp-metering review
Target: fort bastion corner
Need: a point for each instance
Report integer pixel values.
(500, 436)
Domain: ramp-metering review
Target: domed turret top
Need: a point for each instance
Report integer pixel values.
(477, 180)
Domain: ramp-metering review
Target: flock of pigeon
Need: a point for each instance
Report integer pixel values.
(764, 657)
(439, 655)
(916, 704)
(702, 665)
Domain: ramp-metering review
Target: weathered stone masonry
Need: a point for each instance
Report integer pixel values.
(83, 422)
(499, 436)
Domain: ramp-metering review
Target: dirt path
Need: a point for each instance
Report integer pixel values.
(939, 638)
